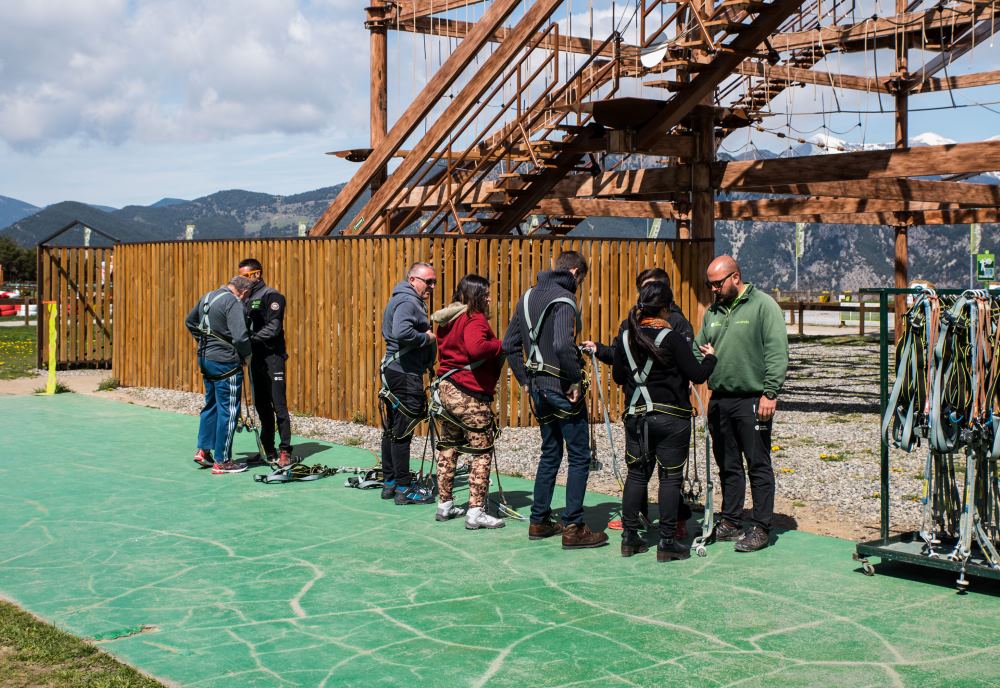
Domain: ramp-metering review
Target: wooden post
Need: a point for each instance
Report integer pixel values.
(802, 310)
(861, 318)
(902, 141)
(703, 199)
(379, 107)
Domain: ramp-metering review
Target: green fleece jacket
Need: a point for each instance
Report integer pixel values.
(750, 342)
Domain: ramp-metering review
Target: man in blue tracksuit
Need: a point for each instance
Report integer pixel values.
(410, 349)
(218, 324)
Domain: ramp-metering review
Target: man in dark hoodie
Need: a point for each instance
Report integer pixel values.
(265, 311)
(218, 325)
(545, 325)
(410, 348)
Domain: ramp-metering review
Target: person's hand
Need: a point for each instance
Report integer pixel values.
(431, 336)
(589, 347)
(573, 393)
(707, 349)
(765, 408)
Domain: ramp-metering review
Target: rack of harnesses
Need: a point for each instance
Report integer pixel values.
(945, 399)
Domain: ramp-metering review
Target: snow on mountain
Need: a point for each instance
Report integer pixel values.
(929, 138)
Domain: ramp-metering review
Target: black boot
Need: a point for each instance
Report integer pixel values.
(667, 550)
(632, 543)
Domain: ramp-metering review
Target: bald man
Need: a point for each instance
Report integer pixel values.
(747, 329)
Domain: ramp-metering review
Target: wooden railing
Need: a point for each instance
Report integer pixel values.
(336, 289)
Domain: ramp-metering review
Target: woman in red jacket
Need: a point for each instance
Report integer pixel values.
(470, 358)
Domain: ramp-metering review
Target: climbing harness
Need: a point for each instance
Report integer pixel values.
(248, 419)
(298, 473)
(205, 328)
(708, 520)
(438, 413)
(945, 392)
(536, 365)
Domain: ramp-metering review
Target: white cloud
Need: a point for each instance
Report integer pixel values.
(183, 71)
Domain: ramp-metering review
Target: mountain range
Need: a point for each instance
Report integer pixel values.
(836, 256)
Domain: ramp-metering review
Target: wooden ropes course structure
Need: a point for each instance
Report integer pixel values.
(523, 127)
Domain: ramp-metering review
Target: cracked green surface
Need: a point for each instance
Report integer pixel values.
(105, 525)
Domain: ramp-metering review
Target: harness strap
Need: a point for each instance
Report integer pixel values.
(535, 363)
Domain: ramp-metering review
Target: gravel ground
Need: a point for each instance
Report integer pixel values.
(825, 442)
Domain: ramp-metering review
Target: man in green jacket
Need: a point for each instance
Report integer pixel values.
(747, 329)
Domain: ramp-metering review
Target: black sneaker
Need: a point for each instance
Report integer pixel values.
(389, 490)
(725, 531)
(411, 494)
(756, 539)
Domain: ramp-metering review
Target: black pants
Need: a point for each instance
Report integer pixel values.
(398, 427)
(666, 441)
(737, 433)
(268, 373)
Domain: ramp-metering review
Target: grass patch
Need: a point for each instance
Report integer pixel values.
(835, 457)
(352, 441)
(60, 389)
(108, 384)
(360, 418)
(33, 653)
(798, 503)
(17, 352)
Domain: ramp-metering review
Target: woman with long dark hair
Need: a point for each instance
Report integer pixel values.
(654, 365)
(470, 358)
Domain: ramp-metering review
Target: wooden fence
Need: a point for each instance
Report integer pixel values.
(79, 281)
(336, 289)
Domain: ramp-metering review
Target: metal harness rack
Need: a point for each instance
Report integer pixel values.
(965, 427)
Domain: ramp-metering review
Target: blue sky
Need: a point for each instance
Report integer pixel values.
(120, 102)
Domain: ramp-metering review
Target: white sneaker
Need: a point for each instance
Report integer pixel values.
(477, 518)
(446, 512)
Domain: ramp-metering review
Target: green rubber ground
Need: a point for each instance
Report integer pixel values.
(107, 528)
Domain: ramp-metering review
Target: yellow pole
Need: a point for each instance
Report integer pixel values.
(50, 387)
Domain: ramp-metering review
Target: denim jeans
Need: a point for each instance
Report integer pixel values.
(221, 411)
(574, 432)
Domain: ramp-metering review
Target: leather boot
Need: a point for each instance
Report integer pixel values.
(668, 550)
(632, 543)
(545, 529)
(580, 536)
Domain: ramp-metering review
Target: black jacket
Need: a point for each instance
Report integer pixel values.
(265, 312)
(678, 323)
(667, 384)
(557, 338)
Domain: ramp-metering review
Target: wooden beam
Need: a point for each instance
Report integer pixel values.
(964, 81)
(408, 11)
(417, 111)
(898, 189)
(370, 218)
(781, 207)
(811, 76)
(881, 32)
(961, 216)
(378, 109)
(906, 162)
(601, 207)
(721, 66)
(456, 28)
(985, 28)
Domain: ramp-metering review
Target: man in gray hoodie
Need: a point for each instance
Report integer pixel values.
(218, 324)
(410, 348)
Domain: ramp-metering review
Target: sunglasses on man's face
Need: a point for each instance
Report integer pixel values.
(717, 284)
(429, 282)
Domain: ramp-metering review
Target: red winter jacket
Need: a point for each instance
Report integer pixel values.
(465, 339)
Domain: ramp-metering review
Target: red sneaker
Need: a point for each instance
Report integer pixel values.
(285, 459)
(203, 457)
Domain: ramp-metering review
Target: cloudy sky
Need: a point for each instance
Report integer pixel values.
(120, 102)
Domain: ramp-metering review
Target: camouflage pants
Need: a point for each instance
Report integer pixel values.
(473, 413)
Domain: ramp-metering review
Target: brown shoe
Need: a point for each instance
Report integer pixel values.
(545, 529)
(580, 536)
